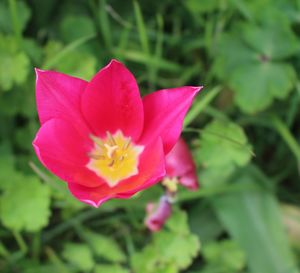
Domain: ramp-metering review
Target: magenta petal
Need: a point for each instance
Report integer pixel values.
(112, 102)
(158, 216)
(151, 171)
(90, 196)
(64, 152)
(58, 96)
(179, 160)
(180, 164)
(164, 113)
(189, 180)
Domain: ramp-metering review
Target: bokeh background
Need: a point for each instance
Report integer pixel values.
(243, 130)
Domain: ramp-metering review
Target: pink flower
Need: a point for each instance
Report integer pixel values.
(180, 165)
(101, 137)
(157, 215)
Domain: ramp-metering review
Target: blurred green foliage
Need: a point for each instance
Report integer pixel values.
(243, 130)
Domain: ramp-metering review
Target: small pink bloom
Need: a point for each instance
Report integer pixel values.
(101, 137)
(158, 214)
(180, 165)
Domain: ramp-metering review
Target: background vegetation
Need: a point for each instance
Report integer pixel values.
(243, 130)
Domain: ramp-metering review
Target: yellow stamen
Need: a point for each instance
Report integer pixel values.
(97, 141)
(127, 143)
(114, 158)
(110, 138)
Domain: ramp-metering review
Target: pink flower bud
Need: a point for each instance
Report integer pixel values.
(157, 215)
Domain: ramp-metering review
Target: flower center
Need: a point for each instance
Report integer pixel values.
(114, 158)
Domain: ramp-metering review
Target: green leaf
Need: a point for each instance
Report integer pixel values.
(104, 247)
(110, 269)
(204, 222)
(14, 65)
(33, 50)
(223, 148)
(232, 52)
(25, 204)
(7, 170)
(74, 27)
(226, 255)
(178, 223)
(177, 248)
(274, 41)
(253, 219)
(23, 12)
(252, 64)
(171, 250)
(272, 80)
(78, 255)
(206, 6)
(76, 62)
(3, 251)
(223, 143)
(33, 267)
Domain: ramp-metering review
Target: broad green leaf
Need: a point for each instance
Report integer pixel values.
(74, 27)
(171, 250)
(14, 65)
(291, 219)
(78, 255)
(273, 11)
(25, 204)
(252, 64)
(223, 148)
(204, 222)
(226, 255)
(177, 248)
(232, 52)
(253, 219)
(223, 143)
(178, 223)
(110, 269)
(272, 80)
(104, 247)
(274, 41)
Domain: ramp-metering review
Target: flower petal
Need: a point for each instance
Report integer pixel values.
(63, 151)
(179, 160)
(164, 113)
(58, 96)
(112, 102)
(151, 170)
(157, 216)
(190, 180)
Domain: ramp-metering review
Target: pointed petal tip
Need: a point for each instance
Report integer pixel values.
(38, 70)
(197, 88)
(39, 73)
(94, 203)
(114, 62)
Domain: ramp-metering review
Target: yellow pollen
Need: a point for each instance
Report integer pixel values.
(114, 158)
